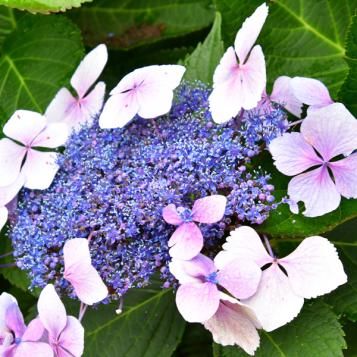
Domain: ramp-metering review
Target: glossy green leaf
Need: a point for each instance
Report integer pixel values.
(150, 325)
(136, 22)
(33, 67)
(300, 38)
(202, 62)
(43, 6)
(8, 22)
(316, 332)
(348, 92)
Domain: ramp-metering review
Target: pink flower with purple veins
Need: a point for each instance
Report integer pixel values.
(314, 155)
(187, 240)
(16, 339)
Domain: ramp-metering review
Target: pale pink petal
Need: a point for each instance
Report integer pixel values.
(186, 242)
(316, 189)
(24, 126)
(209, 209)
(191, 271)
(331, 130)
(240, 277)
(39, 169)
(51, 311)
(53, 136)
(171, 75)
(11, 157)
(38, 349)
(225, 99)
(234, 324)
(3, 217)
(8, 193)
(118, 110)
(6, 300)
(14, 320)
(243, 243)
(197, 302)
(292, 154)
(345, 174)
(89, 70)
(249, 32)
(61, 106)
(79, 271)
(314, 268)
(72, 339)
(275, 303)
(311, 91)
(34, 331)
(170, 215)
(282, 93)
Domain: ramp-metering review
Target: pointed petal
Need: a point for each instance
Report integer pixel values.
(3, 217)
(283, 94)
(171, 75)
(186, 242)
(197, 302)
(314, 268)
(345, 175)
(14, 320)
(275, 303)
(34, 331)
(118, 110)
(79, 271)
(316, 189)
(24, 126)
(243, 243)
(11, 157)
(39, 349)
(331, 130)
(225, 101)
(209, 209)
(72, 337)
(292, 154)
(89, 70)
(191, 271)
(249, 32)
(233, 324)
(8, 193)
(240, 277)
(61, 106)
(53, 136)
(170, 215)
(311, 91)
(39, 169)
(51, 311)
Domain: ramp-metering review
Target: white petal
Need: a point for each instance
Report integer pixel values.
(314, 268)
(3, 218)
(243, 243)
(249, 32)
(275, 303)
(6, 300)
(11, 157)
(8, 193)
(24, 126)
(283, 94)
(53, 136)
(61, 106)
(39, 169)
(89, 70)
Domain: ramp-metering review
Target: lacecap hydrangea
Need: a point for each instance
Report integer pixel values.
(113, 185)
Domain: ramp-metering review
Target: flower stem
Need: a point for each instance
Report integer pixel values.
(82, 311)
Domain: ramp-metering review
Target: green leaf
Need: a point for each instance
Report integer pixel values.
(348, 92)
(283, 223)
(150, 325)
(38, 57)
(202, 62)
(7, 22)
(316, 332)
(295, 40)
(136, 22)
(44, 6)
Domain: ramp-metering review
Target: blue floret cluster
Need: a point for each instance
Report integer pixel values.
(113, 184)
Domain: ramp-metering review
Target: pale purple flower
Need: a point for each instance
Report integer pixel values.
(198, 296)
(312, 269)
(187, 240)
(313, 155)
(17, 340)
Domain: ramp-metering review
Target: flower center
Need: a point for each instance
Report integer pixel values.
(212, 278)
(185, 214)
